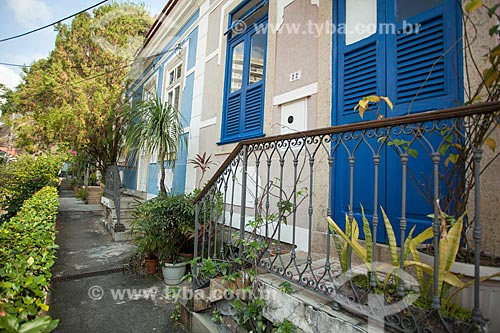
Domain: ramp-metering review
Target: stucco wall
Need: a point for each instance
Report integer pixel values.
(477, 42)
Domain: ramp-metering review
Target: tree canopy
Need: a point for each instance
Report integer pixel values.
(73, 96)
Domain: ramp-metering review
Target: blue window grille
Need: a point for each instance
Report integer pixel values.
(244, 84)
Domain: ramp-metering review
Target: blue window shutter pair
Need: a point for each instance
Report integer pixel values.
(243, 110)
(418, 70)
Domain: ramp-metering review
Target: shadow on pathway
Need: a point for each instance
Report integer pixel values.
(88, 304)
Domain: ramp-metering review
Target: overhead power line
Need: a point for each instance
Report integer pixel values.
(113, 70)
(51, 24)
(13, 65)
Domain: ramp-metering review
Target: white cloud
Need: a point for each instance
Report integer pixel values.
(9, 77)
(31, 13)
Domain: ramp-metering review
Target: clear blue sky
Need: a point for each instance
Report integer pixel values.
(19, 16)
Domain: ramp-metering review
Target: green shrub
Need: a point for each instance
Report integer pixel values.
(164, 226)
(22, 178)
(27, 253)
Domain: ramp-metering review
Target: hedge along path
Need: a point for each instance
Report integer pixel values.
(27, 253)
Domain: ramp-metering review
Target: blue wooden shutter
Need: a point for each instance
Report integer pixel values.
(253, 110)
(232, 127)
(360, 75)
(420, 62)
(423, 67)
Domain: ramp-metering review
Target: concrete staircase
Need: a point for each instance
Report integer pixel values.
(127, 206)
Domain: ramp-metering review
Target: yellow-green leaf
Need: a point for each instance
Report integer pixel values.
(30, 261)
(372, 98)
(388, 101)
(361, 107)
(491, 143)
(393, 248)
(356, 246)
(448, 249)
(473, 5)
(368, 235)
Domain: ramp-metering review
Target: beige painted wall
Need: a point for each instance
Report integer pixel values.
(287, 52)
(480, 42)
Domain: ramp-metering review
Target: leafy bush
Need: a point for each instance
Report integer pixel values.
(27, 254)
(164, 224)
(22, 178)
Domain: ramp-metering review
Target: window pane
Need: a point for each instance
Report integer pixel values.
(409, 8)
(237, 67)
(170, 97)
(179, 72)
(258, 43)
(360, 19)
(176, 100)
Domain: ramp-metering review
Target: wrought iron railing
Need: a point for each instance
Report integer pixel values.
(282, 189)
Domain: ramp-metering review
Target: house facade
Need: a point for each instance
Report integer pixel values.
(250, 69)
(270, 90)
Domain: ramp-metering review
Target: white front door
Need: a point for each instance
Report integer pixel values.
(142, 172)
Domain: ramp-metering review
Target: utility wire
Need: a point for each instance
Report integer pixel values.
(13, 65)
(51, 24)
(115, 69)
(96, 65)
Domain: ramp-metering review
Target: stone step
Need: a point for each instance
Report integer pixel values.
(201, 299)
(126, 202)
(220, 288)
(124, 213)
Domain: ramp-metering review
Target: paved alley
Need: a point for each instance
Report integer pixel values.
(86, 303)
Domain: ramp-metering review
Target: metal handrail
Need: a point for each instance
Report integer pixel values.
(441, 114)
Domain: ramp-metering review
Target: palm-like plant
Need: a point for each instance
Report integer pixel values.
(155, 127)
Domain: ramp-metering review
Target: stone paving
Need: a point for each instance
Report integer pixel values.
(94, 304)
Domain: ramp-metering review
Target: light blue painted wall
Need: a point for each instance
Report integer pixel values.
(187, 100)
(179, 181)
(129, 177)
(147, 73)
(154, 169)
(193, 43)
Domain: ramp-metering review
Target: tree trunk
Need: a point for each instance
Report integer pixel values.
(161, 160)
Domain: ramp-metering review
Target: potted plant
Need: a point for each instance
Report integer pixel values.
(147, 227)
(175, 214)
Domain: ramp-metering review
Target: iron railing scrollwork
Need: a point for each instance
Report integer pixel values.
(286, 186)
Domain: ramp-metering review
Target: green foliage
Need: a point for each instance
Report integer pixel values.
(286, 287)
(156, 127)
(74, 95)
(349, 240)
(164, 224)
(176, 314)
(249, 314)
(217, 316)
(286, 326)
(81, 194)
(27, 254)
(22, 178)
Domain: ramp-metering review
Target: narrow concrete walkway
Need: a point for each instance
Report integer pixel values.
(114, 302)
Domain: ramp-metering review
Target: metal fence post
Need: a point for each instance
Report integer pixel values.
(243, 198)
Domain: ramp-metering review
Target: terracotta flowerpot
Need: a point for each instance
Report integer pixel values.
(151, 266)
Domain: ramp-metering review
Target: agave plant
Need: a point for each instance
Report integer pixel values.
(448, 248)
(349, 240)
